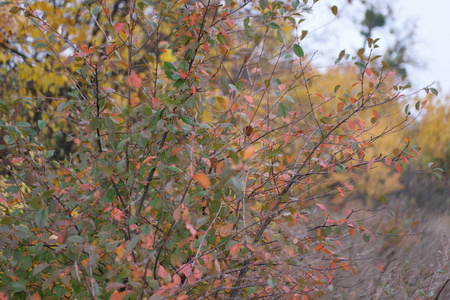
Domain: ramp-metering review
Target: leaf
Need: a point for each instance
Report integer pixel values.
(174, 169)
(388, 161)
(235, 249)
(366, 238)
(248, 152)
(398, 168)
(39, 268)
(169, 70)
(162, 272)
(380, 267)
(134, 80)
(119, 27)
(15, 9)
(41, 217)
(321, 206)
(334, 10)
(263, 4)
(119, 295)
(248, 130)
(202, 179)
(298, 50)
(283, 110)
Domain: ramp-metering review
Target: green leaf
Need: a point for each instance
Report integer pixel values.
(366, 238)
(41, 217)
(15, 9)
(23, 124)
(325, 120)
(49, 154)
(298, 50)
(340, 168)
(221, 38)
(360, 65)
(39, 268)
(272, 282)
(174, 169)
(274, 25)
(283, 110)
(434, 91)
(16, 286)
(169, 70)
(42, 124)
(188, 120)
(263, 4)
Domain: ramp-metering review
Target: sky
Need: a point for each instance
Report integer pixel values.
(431, 35)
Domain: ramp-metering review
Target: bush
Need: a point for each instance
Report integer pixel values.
(177, 149)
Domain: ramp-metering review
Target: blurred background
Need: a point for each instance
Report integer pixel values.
(414, 40)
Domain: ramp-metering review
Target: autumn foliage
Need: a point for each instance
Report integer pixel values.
(182, 149)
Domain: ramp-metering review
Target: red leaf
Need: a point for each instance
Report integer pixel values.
(351, 124)
(321, 206)
(398, 167)
(388, 161)
(85, 187)
(17, 160)
(161, 272)
(375, 114)
(86, 49)
(134, 80)
(119, 27)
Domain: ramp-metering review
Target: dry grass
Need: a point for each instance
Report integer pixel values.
(415, 261)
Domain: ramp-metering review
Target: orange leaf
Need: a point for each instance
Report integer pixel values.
(85, 187)
(119, 295)
(249, 99)
(35, 296)
(398, 167)
(380, 267)
(248, 152)
(134, 80)
(203, 180)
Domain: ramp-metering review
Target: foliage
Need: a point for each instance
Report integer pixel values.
(181, 149)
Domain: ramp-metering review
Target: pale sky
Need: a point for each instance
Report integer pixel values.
(432, 35)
